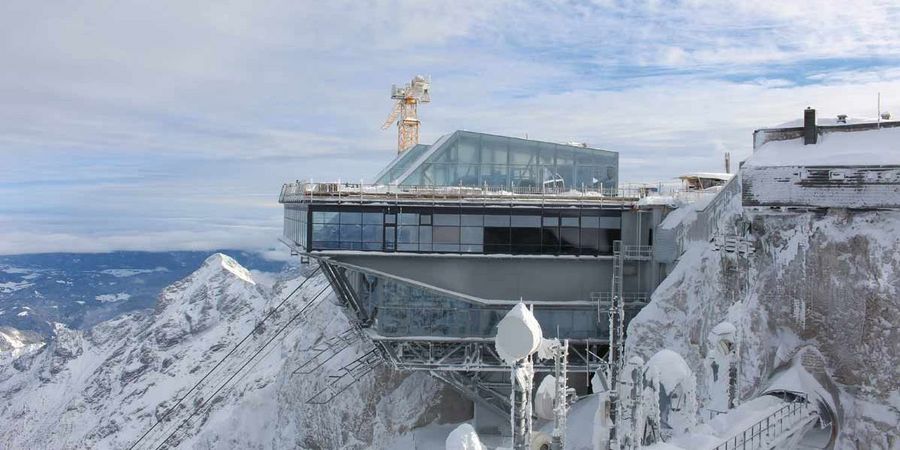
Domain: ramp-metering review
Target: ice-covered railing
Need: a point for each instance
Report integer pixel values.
(297, 191)
(774, 428)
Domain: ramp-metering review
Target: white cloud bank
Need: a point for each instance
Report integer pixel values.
(172, 126)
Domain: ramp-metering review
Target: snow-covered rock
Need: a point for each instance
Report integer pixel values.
(104, 387)
(464, 437)
(828, 280)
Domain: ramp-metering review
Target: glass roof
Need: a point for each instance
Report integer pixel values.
(471, 159)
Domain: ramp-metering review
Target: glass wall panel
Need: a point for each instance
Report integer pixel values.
(472, 235)
(373, 218)
(351, 217)
(496, 220)
(351, 233)
(409, 219)
(425, 235)
(525, 221)
(470, 220)
(494, 149)
(372, 233)
(325, 217)
(445, 219)
(407, 234)
(444, 235)
(468, 149)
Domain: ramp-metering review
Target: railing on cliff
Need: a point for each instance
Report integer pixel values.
(778, 426)
(716, 217)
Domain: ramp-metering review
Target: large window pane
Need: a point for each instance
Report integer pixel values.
(496, 235)
(325, 217)
(376, 218)
(471, 220)
(445, 235)
(445, 219)
(351, 217)
(492, 220)
(569, 241)
(351, 233)
(409, 219)
(446, 247)
(494, 149)
(408, 234)
(372, 233)
(323, 232)
(525, 221)
(425, 235)
(525, 236)
(590, 222)
(472, 235)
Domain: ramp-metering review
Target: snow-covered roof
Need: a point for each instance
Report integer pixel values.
(825, 121)
(851, 148)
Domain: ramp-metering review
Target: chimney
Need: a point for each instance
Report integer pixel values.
(727, 162)
(810, 134)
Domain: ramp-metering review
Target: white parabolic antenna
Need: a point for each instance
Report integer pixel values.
(518, 334)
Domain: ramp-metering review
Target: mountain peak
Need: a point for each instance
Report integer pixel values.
(218, 261)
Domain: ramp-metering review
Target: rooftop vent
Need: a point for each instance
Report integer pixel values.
(810, 134)
(842, 118)
(885, 116)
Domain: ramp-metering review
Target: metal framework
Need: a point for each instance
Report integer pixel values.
(406, 111)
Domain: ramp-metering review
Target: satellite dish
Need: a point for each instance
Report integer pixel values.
(518, 335)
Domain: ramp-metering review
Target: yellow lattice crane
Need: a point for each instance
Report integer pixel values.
(406, 112)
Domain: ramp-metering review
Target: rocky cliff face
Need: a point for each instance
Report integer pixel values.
(104, 387)
(830, 282)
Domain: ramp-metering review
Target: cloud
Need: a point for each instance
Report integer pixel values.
(173, 125)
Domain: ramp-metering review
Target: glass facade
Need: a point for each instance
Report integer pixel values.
(402, 309)
(474, 159)
(295, 217)
(487, 230)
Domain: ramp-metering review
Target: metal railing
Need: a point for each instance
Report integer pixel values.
(762, 433)
(297, 191)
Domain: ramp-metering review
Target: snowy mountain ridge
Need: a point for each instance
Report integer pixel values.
(104, 387)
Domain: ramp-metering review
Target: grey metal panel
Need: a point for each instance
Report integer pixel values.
(535, 279)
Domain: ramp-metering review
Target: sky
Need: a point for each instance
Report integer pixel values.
(172, 125)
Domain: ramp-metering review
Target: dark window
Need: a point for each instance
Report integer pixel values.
(496, 236)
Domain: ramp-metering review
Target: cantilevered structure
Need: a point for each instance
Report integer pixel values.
(430, 257)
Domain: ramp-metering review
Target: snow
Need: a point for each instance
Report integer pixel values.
(518, 334)
(23, 314)
(545, 397)
(112, 298)
(232, 266)
(463, 437)
(857, 148)
(724, 328)
(669, 369)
